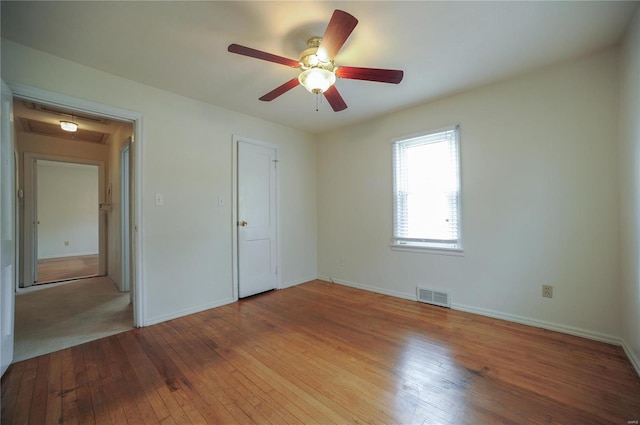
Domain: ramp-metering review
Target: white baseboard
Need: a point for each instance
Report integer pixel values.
(296, 282)
(632, 356)
(571, 330)
(68, 254)
(389, 292)
(610, 339)
(186, 312)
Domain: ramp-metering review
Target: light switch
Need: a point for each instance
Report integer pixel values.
(159, 199)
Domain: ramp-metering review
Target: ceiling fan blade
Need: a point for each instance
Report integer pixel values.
(393, 76)
(259, 54)
(280, 90)
(337, 32)
(335, 100)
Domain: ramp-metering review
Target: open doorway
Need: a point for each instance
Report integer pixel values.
(73, 228)
(67, 227)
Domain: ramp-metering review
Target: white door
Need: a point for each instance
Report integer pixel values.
(7, 229)
(257, 221)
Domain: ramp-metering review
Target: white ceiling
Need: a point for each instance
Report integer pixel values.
(443, 47)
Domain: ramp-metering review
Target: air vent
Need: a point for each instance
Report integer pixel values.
(435, 297)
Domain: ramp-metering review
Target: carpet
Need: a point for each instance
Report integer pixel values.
(59, 317)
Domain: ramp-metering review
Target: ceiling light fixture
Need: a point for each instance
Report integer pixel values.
(318, 73)
(317, 80)
(69, 126)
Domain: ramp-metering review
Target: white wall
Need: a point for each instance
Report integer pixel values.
(630, 189)
(186, 262)
(539, 200)
(67, 209)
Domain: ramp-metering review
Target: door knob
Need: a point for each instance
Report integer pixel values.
(243, 223)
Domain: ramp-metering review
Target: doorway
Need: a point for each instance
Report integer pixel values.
(60, 216)
(55, 100)
(67, 221)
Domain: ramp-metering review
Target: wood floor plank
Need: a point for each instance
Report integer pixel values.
(67, 268)
(11, 381)
(53, 414)
(40, 393)
(138, 391)
(24, 398)
(320, 353)
(195, 397)
(210, 398)
(122, 392)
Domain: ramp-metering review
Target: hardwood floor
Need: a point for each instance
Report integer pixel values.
(67, 268)
(320, 353)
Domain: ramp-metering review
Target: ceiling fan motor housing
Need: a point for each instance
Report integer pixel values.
(317, 74)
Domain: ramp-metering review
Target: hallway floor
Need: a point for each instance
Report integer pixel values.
(67, 268)
(54, 318)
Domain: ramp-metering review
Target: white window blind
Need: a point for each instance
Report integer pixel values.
(427, 190)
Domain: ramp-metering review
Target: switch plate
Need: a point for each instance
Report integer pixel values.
(159, 199)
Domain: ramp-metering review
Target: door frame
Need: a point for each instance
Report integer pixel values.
(7, 224)
(34, 94)
(125, 211)
(31, 209)
(234, 212)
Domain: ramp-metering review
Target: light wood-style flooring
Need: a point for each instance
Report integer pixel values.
(320, 353)
(67, 268)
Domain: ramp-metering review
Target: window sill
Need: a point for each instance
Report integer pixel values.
(428, 250)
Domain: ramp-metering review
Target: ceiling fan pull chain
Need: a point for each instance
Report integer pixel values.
(317, 96)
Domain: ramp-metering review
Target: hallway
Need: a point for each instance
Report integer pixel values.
(62, 316)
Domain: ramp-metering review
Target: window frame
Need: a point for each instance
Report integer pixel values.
(427, 245)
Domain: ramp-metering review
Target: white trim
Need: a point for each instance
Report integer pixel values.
(137, 149)
(297, 282)
(73, 254)
(234, 212)
(635, 362)
(56, 99)
(428, 250)
(426, 133)
(565, 329)
(125, 225)
(425, 246)
(188, 311)
(584, 333)
(234, 218)
(392, 293)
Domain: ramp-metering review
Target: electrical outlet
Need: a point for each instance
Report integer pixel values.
(547, 291)
(342, 261)
(66, 243)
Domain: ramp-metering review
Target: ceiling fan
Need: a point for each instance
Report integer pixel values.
(318, 70)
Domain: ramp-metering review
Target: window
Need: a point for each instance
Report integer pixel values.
(426, 185)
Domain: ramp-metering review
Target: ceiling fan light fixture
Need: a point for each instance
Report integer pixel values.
(317, 80)
(69, 126)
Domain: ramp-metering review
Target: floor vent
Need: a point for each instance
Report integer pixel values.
(431, 296)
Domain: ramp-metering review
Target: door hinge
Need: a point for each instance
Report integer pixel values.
(275, 163)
